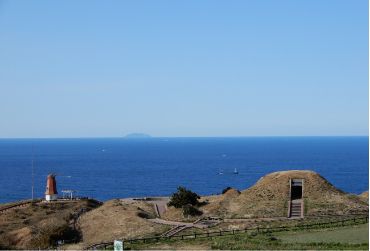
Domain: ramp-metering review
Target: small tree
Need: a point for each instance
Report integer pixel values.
(183, 197)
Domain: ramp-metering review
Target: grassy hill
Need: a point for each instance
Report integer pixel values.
(117, 219)
(40, 225)
(87, 222)
(270, 195)
(342, 238)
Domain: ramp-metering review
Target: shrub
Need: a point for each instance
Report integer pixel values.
(144, 215)
(66, 233)
(229, 188)
(183, 197)
(226, 189)
(49, 212)
(190, 210)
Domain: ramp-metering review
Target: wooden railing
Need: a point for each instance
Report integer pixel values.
(337, 223)
(18, 204)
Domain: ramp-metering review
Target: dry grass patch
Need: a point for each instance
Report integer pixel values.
(365, 196)
(270, 195)
(40, 225)
(118, 219)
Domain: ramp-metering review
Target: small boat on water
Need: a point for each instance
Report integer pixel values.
(220, 172)
(236, 171)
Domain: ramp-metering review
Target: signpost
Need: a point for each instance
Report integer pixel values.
(118, 245)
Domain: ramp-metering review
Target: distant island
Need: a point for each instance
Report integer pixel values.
(137, 136)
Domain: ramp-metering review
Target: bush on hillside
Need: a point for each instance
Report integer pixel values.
(183, 197)
(144, 215)
(190, 210)
(226, 189)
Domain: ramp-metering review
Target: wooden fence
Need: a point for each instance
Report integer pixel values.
(18, 204)
(256, 230)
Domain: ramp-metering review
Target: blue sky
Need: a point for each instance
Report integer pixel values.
(183, 68)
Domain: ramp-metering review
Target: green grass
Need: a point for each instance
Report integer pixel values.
(353, 235)
(348, 237)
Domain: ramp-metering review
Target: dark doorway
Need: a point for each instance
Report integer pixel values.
(296, 189)
(296, 192)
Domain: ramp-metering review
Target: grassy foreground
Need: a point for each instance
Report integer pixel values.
(350, 238)
(352, 235)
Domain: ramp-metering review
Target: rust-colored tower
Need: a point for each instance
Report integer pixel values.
(51, 188)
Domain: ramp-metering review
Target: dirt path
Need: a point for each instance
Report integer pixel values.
(160, 207)
(159, 203)
(179, 226)
(198, 224)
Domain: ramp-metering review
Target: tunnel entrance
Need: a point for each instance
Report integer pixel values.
(296, 191)
(295, 209)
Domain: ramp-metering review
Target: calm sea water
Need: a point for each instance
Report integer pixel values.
(118, 167)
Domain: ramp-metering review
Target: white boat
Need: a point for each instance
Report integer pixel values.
(235, 171)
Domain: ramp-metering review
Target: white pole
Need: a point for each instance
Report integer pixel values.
(33, 174)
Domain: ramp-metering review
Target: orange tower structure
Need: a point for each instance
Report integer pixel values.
(51, 188)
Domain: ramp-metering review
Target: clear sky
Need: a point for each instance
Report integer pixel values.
(183, 68)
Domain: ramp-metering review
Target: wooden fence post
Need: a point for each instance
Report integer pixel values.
(336, 222)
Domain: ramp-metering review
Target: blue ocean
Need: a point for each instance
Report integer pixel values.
(106, 168)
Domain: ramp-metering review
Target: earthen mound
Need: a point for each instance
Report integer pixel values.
(365, 196)
(118, 219)
(270, 197)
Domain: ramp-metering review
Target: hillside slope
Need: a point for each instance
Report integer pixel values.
(118, 219)
(270, 195)
(40, 225)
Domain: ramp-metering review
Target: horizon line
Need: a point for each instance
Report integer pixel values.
(154, 137)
